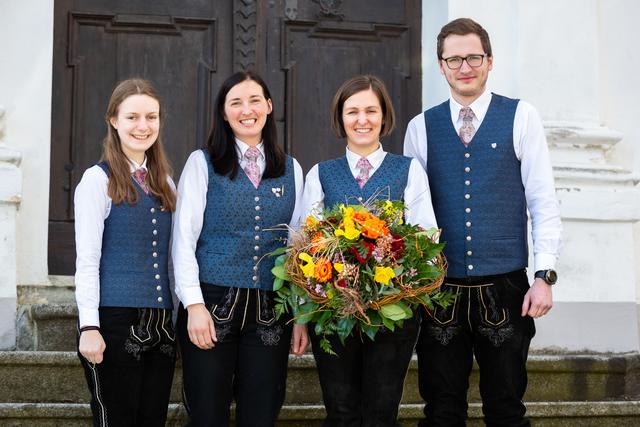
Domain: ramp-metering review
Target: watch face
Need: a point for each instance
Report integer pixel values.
(552, 276)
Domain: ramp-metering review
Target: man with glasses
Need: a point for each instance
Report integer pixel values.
(488, 163)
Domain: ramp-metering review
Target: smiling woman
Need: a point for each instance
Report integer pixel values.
(232, 195)
(362, 113)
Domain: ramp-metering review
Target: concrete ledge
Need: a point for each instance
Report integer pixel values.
(607, 414)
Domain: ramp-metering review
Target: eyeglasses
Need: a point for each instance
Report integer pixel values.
(455, 62)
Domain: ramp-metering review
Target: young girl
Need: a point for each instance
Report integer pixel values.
(231, 196)
(123, 211)
(363, 384)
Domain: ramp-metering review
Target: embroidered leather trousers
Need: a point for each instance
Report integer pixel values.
(248, 363)
(132, 384)
(484, 322)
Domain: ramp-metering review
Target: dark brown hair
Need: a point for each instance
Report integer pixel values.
(462, 27)
(121, 187)
(358, 84)
(221, 143)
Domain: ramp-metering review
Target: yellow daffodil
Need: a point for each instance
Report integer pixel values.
(308, 266)
(350, 233)
(383, 275)
(338, 266)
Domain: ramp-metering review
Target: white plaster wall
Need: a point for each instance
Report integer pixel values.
(26, 31)
(620, 62)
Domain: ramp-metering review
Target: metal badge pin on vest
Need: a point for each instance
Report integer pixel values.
(494, 145)
(278, 191)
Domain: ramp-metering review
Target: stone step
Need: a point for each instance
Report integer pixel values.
(56, 377)
(542, 414)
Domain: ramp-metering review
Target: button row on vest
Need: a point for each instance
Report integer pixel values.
(158, 288)
(155, 265)
(257, 228)
(467, 210)
(470, 267)
(467, 182)
(468, 238)
(257, 218)
(159, 299)
(257, 237)
(468, 224)
(255, 257)
(257, 208)
(152, 210)
(467, 196)
(154, 243)
(157, 277)
(469, 253)
(257, 199)
(467, 155)
(359, 199)
(153, 221)
(256, 248)
(255, 268)
(155, 254)
(155, 232)
(467, 169)
(255, 278)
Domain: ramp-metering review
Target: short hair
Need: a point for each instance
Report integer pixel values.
(462, 27)
(358, 84)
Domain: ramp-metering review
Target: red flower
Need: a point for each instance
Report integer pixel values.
(397, 246)
(342, 283)
(362, 251)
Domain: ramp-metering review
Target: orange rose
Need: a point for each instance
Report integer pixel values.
(374, 228)
(322, 271)
(316, 243)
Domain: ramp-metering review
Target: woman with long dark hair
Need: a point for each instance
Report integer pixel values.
(123, 208)
(232, 196)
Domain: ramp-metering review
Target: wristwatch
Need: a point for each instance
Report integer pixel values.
(549, 276)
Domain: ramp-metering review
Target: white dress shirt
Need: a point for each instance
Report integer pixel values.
(530, 145)
(92, 206)
(189, 217)
(417, 196)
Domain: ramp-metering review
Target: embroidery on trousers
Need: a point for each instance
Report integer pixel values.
(443, 334)
(497, 336)
(270, 336)
(222, 330)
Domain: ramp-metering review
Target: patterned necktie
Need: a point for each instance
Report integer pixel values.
(364, 166)
(251, 166)
(467, 130)
(140, 175)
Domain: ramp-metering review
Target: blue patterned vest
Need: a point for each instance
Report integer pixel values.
(238, 225)
(477, 192)
(339, 185)
(135, 253)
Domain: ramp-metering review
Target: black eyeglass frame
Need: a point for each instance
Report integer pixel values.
(465, 58)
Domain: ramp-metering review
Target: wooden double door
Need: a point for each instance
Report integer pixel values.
(304, 49)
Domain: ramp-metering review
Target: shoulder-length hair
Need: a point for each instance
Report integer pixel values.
(121, 187)
(358, 84)
(221, 143)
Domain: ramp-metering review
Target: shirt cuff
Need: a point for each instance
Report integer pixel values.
(88, 317)
(544, 262)
(191, 295)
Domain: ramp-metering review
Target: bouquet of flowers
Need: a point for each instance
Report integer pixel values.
(359, 265)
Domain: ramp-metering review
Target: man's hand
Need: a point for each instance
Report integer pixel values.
(538, 300)
(202, 332)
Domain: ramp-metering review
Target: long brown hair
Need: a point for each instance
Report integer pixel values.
(121, 187)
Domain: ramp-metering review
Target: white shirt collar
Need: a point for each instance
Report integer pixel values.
(374, 158)
(134, 166)
(479, 106)
(242, 147)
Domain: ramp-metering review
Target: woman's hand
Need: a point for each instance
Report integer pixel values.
(92, 346)
(299, 339)
(202, 332)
